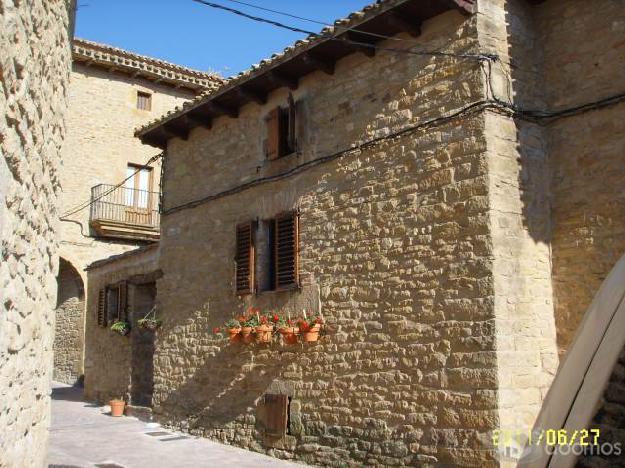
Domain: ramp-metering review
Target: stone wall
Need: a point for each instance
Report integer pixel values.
(69, 332)
(394, 238)
(34, 73)
(584, 59)
(100, 144)
(109, 357)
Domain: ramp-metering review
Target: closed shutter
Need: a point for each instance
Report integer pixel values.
(291, 138)
(273, 415)
(244, 274)
(101, 313)
(122, 303)
(286, 251)
(272, 146)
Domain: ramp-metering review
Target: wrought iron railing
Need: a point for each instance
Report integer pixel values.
(125, 205)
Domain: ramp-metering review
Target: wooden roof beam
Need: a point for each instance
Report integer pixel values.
(358, 44)
(200, 119)
(280, 79)
(252, 95)
(218, 108)
(401, 23)
(178, 129)
(319, 63)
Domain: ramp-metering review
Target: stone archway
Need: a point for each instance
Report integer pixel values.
(69, 329)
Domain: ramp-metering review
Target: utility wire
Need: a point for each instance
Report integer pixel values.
(322, 23)
(91, 201)
(494, 105)
(341, 39)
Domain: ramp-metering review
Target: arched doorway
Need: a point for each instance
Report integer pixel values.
(69, 329)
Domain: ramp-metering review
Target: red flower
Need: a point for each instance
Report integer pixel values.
(242, 319)
(303, 325)
(276, 318)
(216, 330)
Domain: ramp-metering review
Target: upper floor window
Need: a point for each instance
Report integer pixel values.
(138, 186)
(144, 101)
(281, 131)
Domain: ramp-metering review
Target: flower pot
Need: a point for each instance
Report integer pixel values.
(289, 335)
(312, 334)
(263, 333)
(117, 408)
(246, 335)
(234, 334)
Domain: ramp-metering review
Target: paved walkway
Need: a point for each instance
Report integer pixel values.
(83, 436)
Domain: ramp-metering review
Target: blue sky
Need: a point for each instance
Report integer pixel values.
(196, 36)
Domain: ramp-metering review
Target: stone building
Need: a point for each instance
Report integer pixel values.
(111, 92)
(454, 192)
(34, 73)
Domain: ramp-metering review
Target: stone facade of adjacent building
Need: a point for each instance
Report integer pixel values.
(451, 241)
(99, 148)
(34, 73)
(121, 366)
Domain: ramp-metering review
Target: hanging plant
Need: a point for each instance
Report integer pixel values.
(121, 327)
(150, 322)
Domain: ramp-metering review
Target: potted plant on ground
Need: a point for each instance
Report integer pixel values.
(288, 330)
(149, 322)
(117, 407)
(121, 327)
(309, 328)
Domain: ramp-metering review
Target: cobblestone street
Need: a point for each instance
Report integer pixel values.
(83, 436)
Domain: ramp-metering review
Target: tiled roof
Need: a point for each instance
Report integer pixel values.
(150, 68)
(341, 26)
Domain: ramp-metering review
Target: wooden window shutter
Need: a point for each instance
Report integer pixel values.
(244, 274)
(272, 147)
(292, 127)
(286, 251)
(101, 313)
(273, 415)
(122, 302)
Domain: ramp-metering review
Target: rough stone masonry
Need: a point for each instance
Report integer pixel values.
(34, 73)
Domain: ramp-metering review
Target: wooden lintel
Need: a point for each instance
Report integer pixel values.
(358, 44)
(399, 22)
(282, 80)
(252, 95)
(200, 120)
(221, 109)
(176, 130)
(326, 66)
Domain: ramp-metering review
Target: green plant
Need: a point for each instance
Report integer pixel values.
(232, 323)
(121, 327)
(149, 323)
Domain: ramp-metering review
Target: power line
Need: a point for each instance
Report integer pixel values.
(322, 23)
(495, 105)
(341, 39)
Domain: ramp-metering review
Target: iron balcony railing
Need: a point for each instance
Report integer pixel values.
(125, 205)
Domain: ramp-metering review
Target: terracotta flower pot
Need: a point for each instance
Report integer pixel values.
(312, 334)
(117, 408)
(289, 335)
(246, 335)
(234, 334)
(263, 333)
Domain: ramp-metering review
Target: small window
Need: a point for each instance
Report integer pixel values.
(281, 131)
(268, 255)
(115, 303)
(144, 101)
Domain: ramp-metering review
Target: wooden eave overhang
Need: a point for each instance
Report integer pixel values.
(115, 60)
(317, 53)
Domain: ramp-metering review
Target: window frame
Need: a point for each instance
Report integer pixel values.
(144, 101)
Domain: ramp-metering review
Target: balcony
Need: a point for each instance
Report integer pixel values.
(125, 213)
